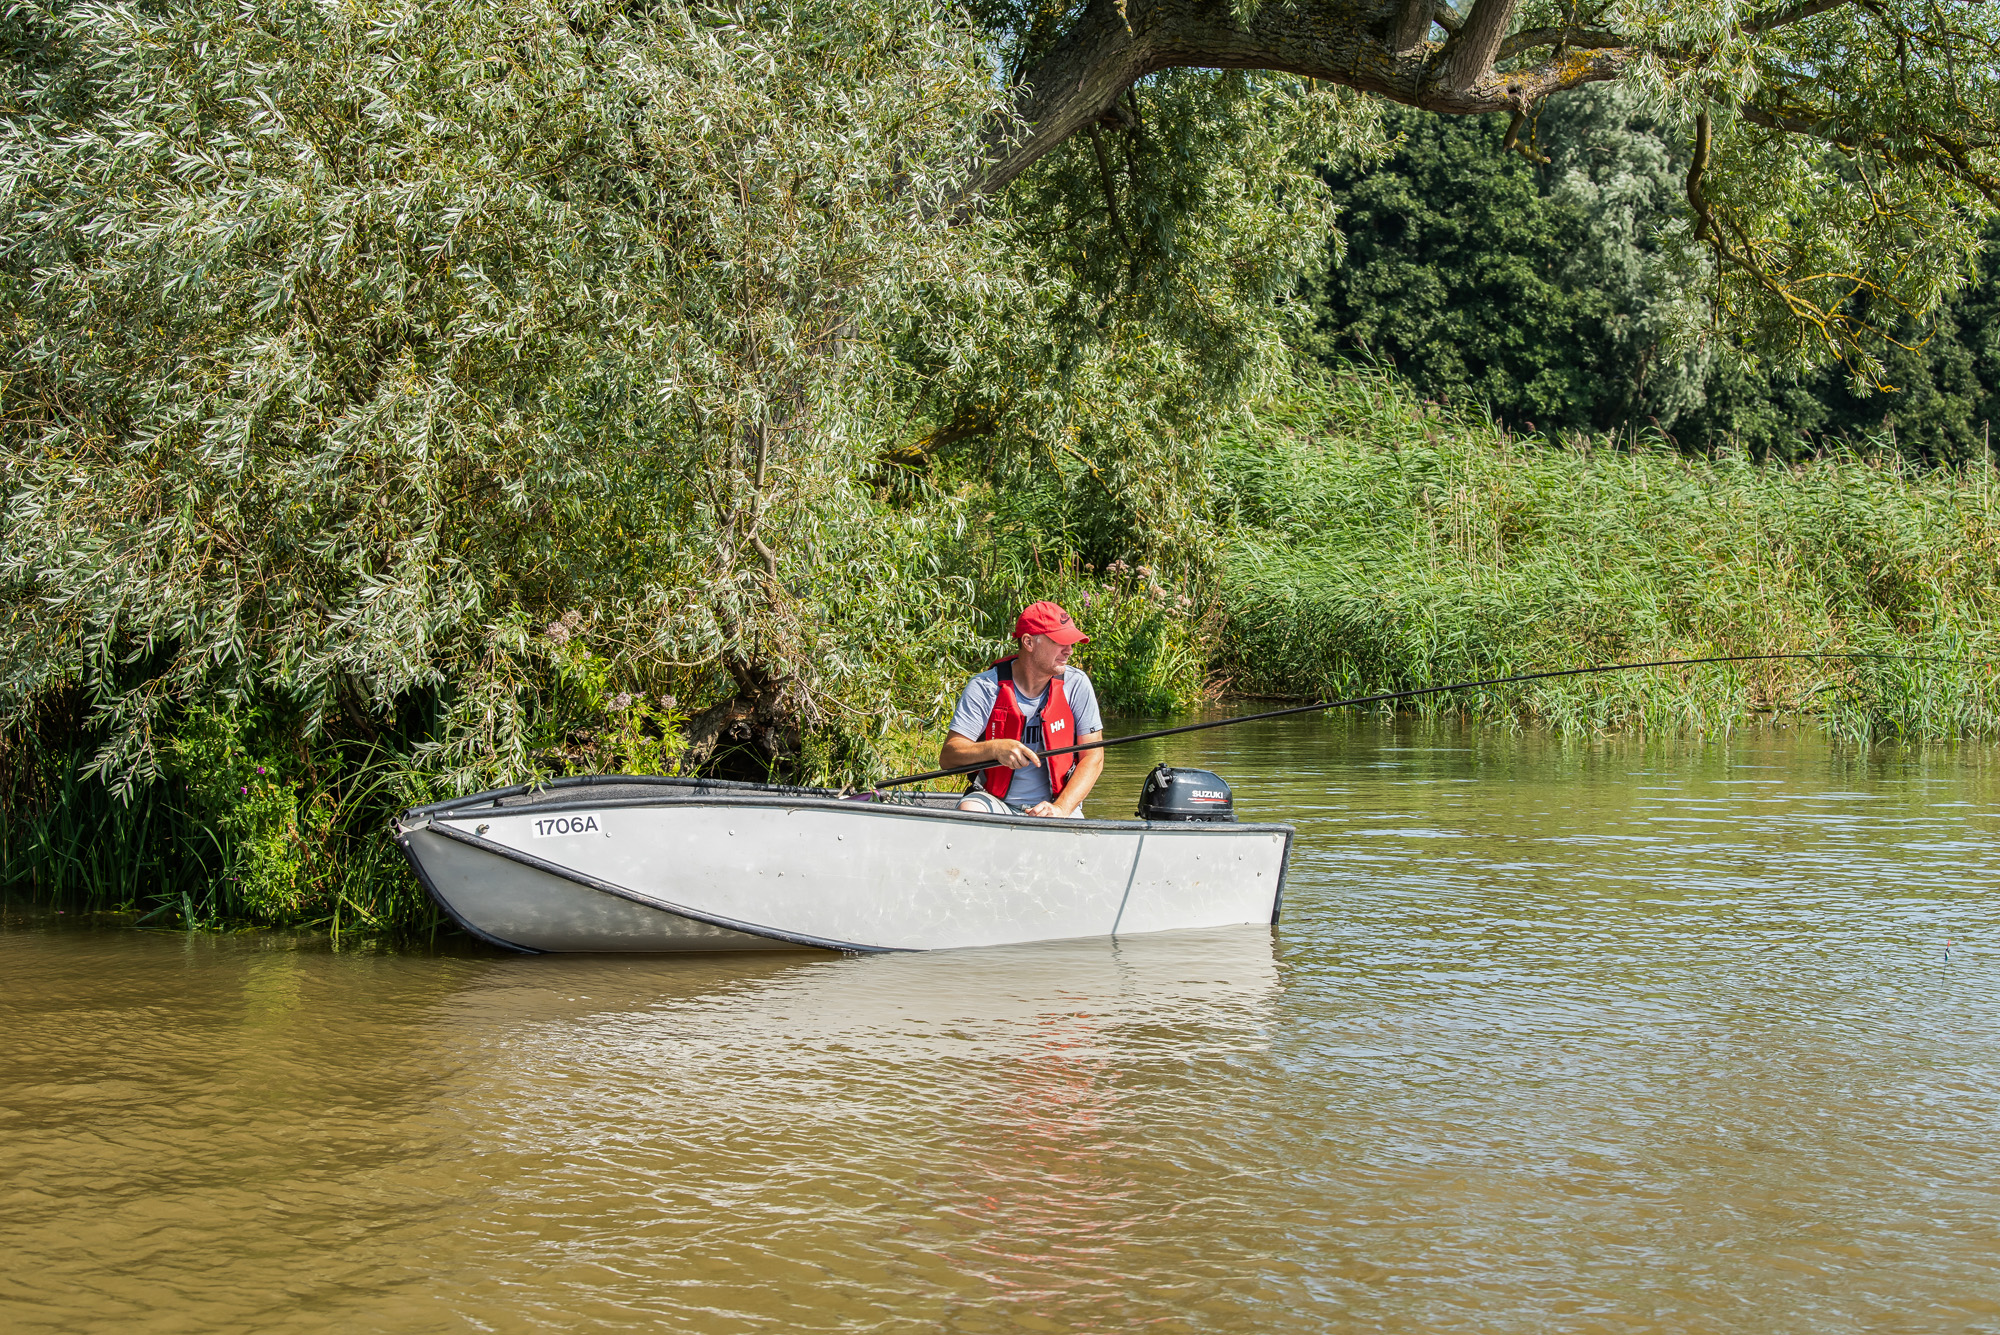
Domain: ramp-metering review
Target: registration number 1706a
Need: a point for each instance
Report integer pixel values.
(553, 825)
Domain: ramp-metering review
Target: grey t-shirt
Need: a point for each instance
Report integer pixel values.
(975, 707)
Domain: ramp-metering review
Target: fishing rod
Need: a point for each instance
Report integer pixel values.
(1387, 696)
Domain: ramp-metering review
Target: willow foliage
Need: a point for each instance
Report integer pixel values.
(1169, 268)
(349, 346)
(1842, 158)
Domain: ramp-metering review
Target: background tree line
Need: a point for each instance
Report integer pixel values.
(1568, 295)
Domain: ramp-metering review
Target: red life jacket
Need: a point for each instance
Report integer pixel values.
(1007, 720)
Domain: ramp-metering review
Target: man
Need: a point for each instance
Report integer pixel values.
(1027, 702)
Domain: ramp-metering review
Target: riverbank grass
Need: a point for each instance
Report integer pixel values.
(1380, 543)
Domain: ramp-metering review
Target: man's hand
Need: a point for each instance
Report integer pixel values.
(1044, 809)
(959, 750)
(1015, 755)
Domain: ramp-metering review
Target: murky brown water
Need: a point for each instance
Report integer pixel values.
(1608, 1037)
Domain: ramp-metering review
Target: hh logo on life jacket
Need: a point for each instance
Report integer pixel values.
(1055, 725)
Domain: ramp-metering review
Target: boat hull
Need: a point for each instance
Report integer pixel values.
(685, 866)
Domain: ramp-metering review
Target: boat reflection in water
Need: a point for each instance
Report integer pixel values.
(745, 1133)
(1208, 987)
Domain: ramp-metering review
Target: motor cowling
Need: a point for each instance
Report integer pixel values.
(1185, 794)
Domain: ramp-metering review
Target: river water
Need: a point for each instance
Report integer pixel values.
(1555, 1036)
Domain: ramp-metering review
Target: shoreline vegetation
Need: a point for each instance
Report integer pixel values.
(691, 389)
(1380, 543)
(1367, 541)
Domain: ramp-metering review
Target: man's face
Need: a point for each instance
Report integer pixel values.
(1045, 654)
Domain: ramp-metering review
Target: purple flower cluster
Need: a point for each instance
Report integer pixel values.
(560, 631)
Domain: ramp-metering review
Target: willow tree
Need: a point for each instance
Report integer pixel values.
(360, 352)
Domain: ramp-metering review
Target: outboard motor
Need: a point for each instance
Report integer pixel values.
(1185, 794)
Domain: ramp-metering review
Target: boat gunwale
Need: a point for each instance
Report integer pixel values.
(576, 781)
(760, 795)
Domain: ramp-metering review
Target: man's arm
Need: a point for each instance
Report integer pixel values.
(1089, 764)
(959, 749)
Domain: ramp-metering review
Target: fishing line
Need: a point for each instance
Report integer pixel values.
(1387, 696)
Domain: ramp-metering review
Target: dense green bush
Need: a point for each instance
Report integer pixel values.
(388, 394)
(1549, 294)
(255, 820)
(1566, 296)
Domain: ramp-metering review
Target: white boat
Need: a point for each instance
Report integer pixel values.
(619, 863)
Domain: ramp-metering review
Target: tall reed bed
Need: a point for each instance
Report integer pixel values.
(1381, 544)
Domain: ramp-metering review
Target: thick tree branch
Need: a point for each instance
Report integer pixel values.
(1110, 186)
(967, 423)
(1472, 49)
(1784, 15)
(1413, 25)
(1704, 224)
(1346, 42)
(1921, 145)
(1581, 39)
(1774, 120)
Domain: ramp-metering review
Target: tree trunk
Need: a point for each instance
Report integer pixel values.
(1470, 52)
(755, 733)
(1413, 25)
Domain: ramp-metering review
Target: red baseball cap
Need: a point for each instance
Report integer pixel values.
(1050, 620)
